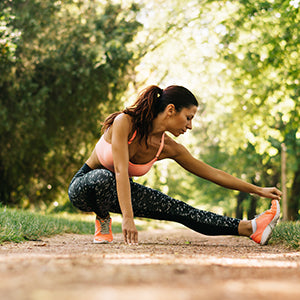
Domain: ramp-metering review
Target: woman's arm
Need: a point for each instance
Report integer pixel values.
(120, 131)
(183, 157)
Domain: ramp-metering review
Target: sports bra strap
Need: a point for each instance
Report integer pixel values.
(132, 138)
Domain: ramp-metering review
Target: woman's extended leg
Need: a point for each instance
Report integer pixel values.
(150, 203)
(153, 204)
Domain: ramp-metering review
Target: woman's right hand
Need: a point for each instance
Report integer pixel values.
(130, 232)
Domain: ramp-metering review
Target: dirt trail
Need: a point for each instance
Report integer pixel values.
(167, 264)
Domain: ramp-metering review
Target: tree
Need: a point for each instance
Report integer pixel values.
(66, 65)
(260, 46)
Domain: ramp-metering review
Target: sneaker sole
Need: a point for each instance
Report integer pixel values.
(268, 231)
(102, 242)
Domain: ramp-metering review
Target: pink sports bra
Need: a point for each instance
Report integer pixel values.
(104, 153)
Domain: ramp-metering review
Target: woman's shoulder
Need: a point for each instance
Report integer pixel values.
(123, 119)
(123, 122)
(122, 126)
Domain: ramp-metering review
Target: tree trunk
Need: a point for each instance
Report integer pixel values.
(239, 209)
(5, 192)
(294, 200)
(252, 209)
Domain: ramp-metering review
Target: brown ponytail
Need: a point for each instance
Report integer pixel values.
(150, 102)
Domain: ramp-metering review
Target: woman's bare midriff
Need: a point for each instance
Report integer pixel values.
(93, 161)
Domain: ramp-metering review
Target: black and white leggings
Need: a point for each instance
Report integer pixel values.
(95, 190)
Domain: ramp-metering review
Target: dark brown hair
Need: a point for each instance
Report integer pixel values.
(150, 102)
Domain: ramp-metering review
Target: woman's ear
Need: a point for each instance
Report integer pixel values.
(170, 109)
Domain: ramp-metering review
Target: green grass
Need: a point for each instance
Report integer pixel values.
(287, 234)
(19, 225)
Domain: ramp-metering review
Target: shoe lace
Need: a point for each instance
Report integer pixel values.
(264, 212)
(105, 226)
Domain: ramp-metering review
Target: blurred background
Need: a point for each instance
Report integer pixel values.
(65, 65)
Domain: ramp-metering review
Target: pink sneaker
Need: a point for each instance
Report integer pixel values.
(103, 233)
(265, 224)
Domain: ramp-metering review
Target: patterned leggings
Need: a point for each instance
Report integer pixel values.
(95, 190)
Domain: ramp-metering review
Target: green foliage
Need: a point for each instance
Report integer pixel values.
(260, 45)
(64, 66)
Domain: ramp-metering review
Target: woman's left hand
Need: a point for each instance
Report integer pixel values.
(270, 192)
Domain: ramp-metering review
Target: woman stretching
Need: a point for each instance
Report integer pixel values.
(133, 140)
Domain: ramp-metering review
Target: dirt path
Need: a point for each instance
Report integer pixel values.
(167, 264)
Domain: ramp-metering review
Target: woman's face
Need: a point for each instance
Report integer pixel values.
(180, 122)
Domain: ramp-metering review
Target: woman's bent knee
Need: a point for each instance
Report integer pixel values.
(103, 177)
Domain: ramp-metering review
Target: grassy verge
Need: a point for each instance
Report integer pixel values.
(287, 234)
(18, 225)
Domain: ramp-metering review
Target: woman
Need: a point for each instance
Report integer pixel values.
(133, 141)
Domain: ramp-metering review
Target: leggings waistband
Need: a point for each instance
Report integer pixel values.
(85, 168)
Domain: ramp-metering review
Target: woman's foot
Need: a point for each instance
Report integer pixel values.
(264, 224)
(103, 233)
